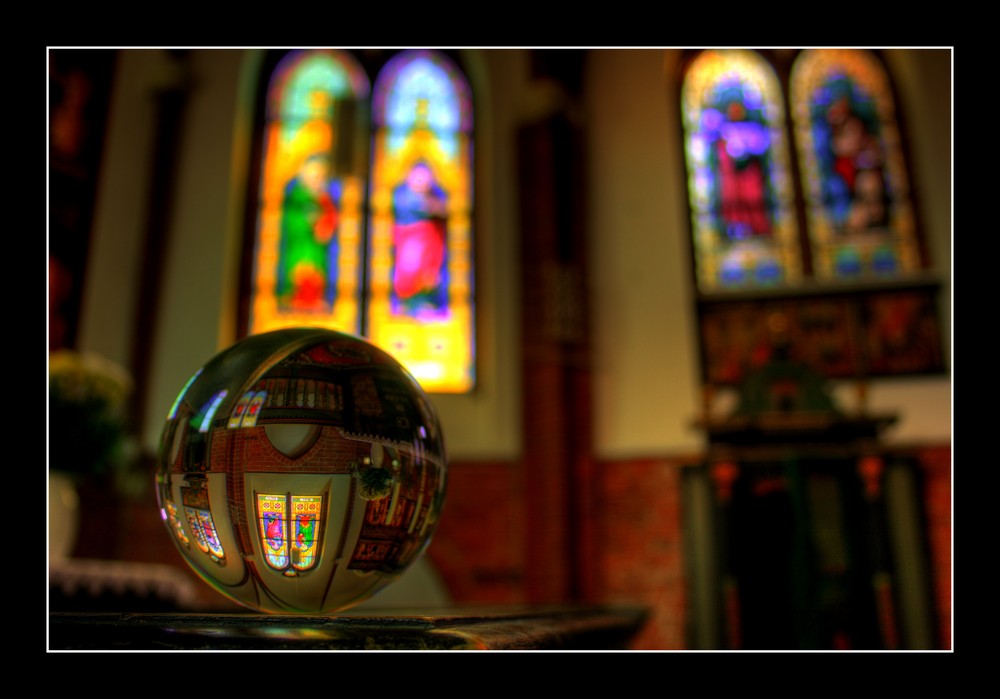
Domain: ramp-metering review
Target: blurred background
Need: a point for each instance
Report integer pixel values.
(596, 458)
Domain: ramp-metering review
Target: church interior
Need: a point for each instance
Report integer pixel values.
(761, 463)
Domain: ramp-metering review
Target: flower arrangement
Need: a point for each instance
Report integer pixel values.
(375, 482)
(88, 396)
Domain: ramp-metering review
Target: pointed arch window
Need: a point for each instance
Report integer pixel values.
(803, 224)
(364, 207)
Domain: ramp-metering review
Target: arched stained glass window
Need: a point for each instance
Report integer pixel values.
(805, 234)
(289, 528)
(308, 250)
(739, 182)
(861, 222)
(420, 289)
(365, 208)
(202, 525)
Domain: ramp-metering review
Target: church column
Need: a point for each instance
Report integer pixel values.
(558, 456)
(170, 98)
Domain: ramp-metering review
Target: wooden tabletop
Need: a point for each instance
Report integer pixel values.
(473, 628)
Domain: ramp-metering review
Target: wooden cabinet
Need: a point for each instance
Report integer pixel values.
(803, 532)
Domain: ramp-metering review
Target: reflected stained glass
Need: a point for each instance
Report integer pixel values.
(199, 518)
(305, 536)
(248, 409)
(290, 530)
(861, 222)
(202, 420)
(744, 228)
(272, 514)
(421, 277)
(175, 524)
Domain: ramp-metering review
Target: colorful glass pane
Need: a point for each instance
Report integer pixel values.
(175, 524)
(236, 418)
(198, 513)
(309, 241)
(861, 222)
(740, 191)
(306, 519)
(420, 265)
(201, 523)
(253, 409)
(290, 530)
(202, 420)
(180, 396)
(272, 516)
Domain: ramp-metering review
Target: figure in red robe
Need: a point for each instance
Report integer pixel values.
(419, 276)
(742, 186)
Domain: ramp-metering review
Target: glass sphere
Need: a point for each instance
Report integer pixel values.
(301, 471)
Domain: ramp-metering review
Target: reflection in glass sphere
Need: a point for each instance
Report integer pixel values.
(301, 471)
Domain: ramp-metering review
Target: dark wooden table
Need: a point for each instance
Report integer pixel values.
(515, 628)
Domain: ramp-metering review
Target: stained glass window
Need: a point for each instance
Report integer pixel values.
(365, 207)
(200, 523)
(247, 409)
(740, 189)
(800, 210)
(308, 246)
(171, 514)
(861, 222)
(420, 292)
(290, 530)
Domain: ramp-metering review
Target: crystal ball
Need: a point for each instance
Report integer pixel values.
(301, 471)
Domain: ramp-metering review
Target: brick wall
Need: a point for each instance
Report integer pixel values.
(479, 544)
(639, 546)
(482, 541)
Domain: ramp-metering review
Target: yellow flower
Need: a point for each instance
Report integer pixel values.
(86, 377)
(88, 396)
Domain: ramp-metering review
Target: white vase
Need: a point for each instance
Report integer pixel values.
(64, 515)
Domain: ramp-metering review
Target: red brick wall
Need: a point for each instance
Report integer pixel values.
(639, 545)
(479, 544)
(482, 541)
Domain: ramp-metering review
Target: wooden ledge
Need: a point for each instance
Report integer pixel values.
(459, 628)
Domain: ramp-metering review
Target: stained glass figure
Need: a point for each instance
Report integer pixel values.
(740, 190)
(308, 246)
(272, 515)
(861, 223)
(421, 277)
(306, 513)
